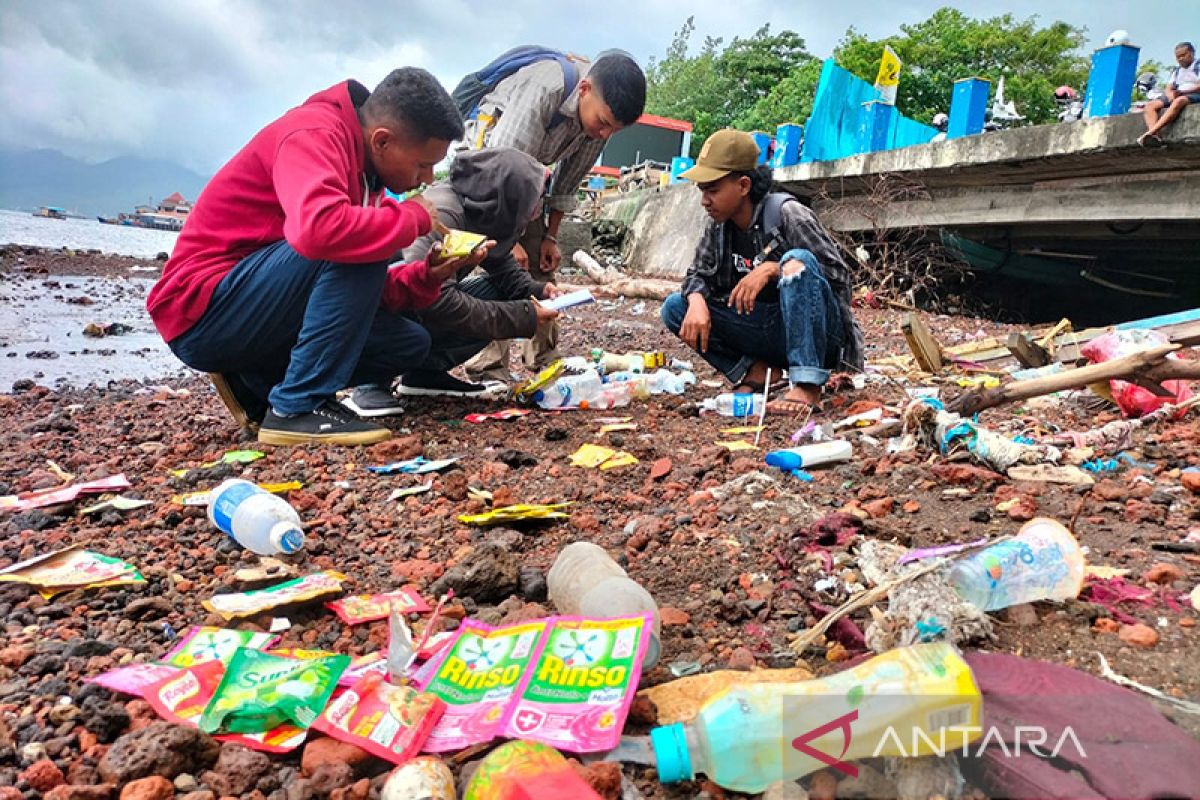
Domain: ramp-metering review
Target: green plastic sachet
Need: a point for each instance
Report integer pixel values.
(259, 692)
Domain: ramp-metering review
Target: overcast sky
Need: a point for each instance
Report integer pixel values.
(192, 80)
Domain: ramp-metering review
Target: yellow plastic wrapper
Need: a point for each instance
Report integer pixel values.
(591, 455)
(619, 459)
(525, 391)
(514, 513)
(459, 244)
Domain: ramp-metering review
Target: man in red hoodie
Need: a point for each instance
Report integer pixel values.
(276, 285)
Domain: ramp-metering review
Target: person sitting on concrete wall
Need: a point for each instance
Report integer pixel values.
(495, 192)
(1183, 89)
(767, 287)
(561, 112)
(276, 279)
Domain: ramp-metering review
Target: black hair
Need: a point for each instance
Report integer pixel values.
(413, 98)
(762, 181)
(1191, 48)
(621, 84)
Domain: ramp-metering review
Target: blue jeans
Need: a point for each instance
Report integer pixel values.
(295, 331)
(802, 332)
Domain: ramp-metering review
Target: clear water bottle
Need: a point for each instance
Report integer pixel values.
(734, 405)
(1042, 562)
(571, 391)
(256, 519)
(586, 581)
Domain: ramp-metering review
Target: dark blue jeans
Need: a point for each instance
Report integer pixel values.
(295, 331)
(803, 332)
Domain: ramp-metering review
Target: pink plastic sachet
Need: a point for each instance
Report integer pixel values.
(567, 682)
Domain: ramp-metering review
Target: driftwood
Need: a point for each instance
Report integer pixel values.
(1147, 368)
(614, 283)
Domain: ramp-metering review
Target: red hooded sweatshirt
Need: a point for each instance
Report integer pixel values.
(301, 178)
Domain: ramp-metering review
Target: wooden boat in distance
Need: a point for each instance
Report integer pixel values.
(51, 212)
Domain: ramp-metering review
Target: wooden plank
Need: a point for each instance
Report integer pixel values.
(924, 347)
(1026, 351)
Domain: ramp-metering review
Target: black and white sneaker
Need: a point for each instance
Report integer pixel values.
(428, 383)
(372, 400)
(328, 423)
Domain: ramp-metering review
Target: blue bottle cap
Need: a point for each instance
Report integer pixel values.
(287, 538)
(784, 460)
(671, 753)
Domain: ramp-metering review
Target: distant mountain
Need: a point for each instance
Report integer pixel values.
(33, 178)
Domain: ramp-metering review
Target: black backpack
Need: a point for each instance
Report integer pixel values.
(476, 85)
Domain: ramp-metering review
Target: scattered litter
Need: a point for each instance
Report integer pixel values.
(1042, 562)
(1132, 399)
(523, 769)
(1067, 474)
(71, 568)
(516, 513)
(939, 690)
(183, 696)
(61, 494)
(592, 456)
(231, 457)
(246, 604)
(938, 552)
(134, 679)
(409, 491)
(117, 503)
(739, 430)
(360, 608)
(389, 722)
(736, 446)
(268, 569)
(427, 778)
(414, 466)
(952, 433)
(504, 414)
(614, 427)
(202, 644)
(202, 498)
(477, 677)
(98, 330)
(681, 669)
(260, 692)
(571, 680)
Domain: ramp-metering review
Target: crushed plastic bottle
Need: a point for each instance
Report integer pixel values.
(584, 580)
(1042, 562)
(900, 703)
(570, 391)
(259, 521)
(734, 405)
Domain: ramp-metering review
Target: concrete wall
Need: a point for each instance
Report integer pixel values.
(666, 223)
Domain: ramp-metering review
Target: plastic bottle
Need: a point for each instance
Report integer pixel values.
(734, 405)
(426, 777)
(663, 381)
(902, 703)
(811, 455)
(1042, 562)
(522, 770)
(570, 391)
(584, 580)
(256, 519)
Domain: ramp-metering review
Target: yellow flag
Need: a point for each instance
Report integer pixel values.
(889, 76)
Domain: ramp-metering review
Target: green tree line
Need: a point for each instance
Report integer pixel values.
(761, 81)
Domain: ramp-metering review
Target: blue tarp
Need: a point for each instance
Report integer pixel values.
(833, 130)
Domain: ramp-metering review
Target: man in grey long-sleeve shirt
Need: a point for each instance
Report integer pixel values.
(533, 111)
